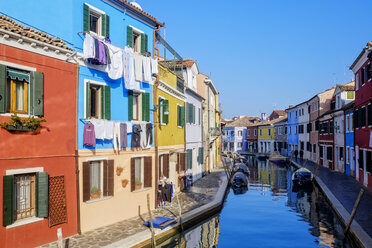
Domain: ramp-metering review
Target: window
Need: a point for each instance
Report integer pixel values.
(269, 131)
(98, 179)
(329, 153)
(260, 132)
(321, 151)
(164, 165)
(190, 113)
(363, 116)
(141, 172)
(341, 153)
(181, 116)
(21, 92)
(201, 155)
(199, 116)
(350, 95)
(351, 122)
(302, 145)
(308, 146)
(249, 132)
(239, 144)
(25, 195)
(98, 100)
(368, 72)
(314, 148)
(285, 130)
(255, 132)
(137, 40)
(369, 161)
(348, 155)
(362, 78)
(296, 129)
(240, 133)
(347, 123)
(232, 133)
(139, 106)
(96, 21)
(356, 81)
(189, 163)
(369, 114)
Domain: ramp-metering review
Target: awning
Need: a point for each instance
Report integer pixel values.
(18, 75)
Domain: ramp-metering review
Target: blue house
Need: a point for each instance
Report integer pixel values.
(292, 132)
(113, 172)
(349, 139)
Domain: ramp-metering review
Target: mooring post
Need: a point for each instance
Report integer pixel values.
(354, 211)
(316, 172)
(151, 225)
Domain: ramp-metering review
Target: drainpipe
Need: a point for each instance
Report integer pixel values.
(208, 138)
(155, 118)
(76, 150)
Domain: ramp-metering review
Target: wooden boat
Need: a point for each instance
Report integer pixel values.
(239, 180)
(277, 159)
(240, 167)
(302, 177)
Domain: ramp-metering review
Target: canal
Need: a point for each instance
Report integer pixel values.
(268, 214)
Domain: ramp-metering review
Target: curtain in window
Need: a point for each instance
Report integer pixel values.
(20, 95)
(138, 172)
(95, 178)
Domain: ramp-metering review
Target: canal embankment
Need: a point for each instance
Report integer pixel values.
(342, 191)
(204, 199)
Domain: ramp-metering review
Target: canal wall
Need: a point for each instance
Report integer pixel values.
(356, 230)
(187, 220)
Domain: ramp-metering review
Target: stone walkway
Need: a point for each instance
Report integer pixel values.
(346, 189)
(202, 192)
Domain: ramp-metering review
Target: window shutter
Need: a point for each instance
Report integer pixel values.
(182, 116)
(146, 43)
(2, 88)
(182, 161)
(105, 25)
(369, 114)
(130, 105)
(8, 198)
(143, 46)
(129, 36)
(178, 116)
(38, 91)
(86, 181)
(143, 106)
(165, 109)
(87, 110)
(85, 17)
(193, 114)
(42, 194)
(166, 165)
(132, 174)
(189, 113)
(107, 101)
(108, 177)
(147, 109)
(148, 172)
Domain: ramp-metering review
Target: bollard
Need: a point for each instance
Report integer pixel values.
(354, 211)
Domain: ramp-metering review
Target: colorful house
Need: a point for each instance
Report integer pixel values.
(266, 137)
(292, 136)
(252, 136)
(38, 80)
(304, 129)
(233, 137)
(326, 140)
(349, 139)
(280, 143)
(171, 128)
(363, 115)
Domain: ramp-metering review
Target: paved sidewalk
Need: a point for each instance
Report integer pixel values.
(201, 193)
(346, 189)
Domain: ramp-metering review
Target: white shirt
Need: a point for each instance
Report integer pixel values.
(99, 128)
(88, 47)
(146, 69)
(109, 130)
(115, 69)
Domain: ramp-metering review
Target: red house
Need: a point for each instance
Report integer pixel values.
(252, 137)
(37, 164)
(363, 115)
(326, 141)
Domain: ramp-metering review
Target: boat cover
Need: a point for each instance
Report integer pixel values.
(161, 222)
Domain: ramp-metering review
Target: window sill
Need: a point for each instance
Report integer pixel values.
(24, 222)
(19, 115)
(100, 199)
(141, 190)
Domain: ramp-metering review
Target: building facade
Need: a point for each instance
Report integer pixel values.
(292, 135)
(252, 137)
(349, 139)
(326, 140)
(266, 137)
(304, 130)
(280, 143)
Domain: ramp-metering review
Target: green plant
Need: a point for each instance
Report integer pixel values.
(93, 190)
(16, 121)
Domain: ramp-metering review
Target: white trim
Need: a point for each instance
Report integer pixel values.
(140, 190)
(171, 91)
(136, 29)
(24, 222)
(24, 171)
(99, 199)
(96, 159)
(177, 115)
(17, 66)
(86, 80)
(160, 114)
(141, 156)
(95, 9)
(19, 115)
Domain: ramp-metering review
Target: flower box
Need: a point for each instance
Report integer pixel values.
(20, 128)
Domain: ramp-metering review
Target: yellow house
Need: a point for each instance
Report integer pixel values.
(218, 125)
(170, 101)
(266, 138)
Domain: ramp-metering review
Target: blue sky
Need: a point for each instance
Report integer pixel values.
(261, 53)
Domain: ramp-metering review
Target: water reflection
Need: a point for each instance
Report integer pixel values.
(269, 214)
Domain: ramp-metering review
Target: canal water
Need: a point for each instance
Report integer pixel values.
(268, 214)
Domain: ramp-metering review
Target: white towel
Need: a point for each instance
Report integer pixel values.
(154, 66)
(115, 69)
(109, 130)
(138, 67)
(129, 126)
(128, 69)
(116, 140)
(88, 47)
(99, 128)
(144, 142)
(146, 69)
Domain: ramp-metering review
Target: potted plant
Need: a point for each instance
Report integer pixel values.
(95, 193)
(138, 184)
(124, 183)
(26, 124)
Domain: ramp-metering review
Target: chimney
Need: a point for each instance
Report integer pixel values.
(263, 116)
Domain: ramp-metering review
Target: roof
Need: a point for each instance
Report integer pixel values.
(241, 121)
(8, 24)
(347, 87)
(368, 46)
(140, 11)
(279, 112)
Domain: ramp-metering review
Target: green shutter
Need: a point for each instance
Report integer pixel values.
(146, 43)
(193, 114)
(178, 116)
(201, 154)
(107, 100)
(87, 100)
(42, 194)
(86, 18)
(8, 198)
(2, 88)
(143, 106)
(107, 26)
(129, 36)
(38, 93)
(182, 116)
(165, 109)
(130, 105)
(103, 25)
(188, 112)
(147, 109)
(143, 46)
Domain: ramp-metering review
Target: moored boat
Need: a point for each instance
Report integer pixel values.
(302, 177)
(277, 159)
(239, 180)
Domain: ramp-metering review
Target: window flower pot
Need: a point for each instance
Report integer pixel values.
(20, 128)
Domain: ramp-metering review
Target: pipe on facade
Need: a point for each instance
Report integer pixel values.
(76, 151)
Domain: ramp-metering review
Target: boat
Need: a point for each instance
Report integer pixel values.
(241, 159)
(302, 178)
(277, 159)
(239, 180)
(240, 167)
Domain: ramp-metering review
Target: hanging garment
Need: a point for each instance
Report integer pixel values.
(107, 53)
(88, 47)
(116, 136)
(144, 143)
(109, 130)
(95, 60)
(129, 126)
(136, 136)
(115, 69)
(138, 70)
(99, 127)
(89, 136)
(166, 193)
(154, 66)
(149, 134)
(101, 53)
(147, 69)
(123, 135)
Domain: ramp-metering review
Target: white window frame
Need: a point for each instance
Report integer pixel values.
(177, 114)
(142, 173)
(99, 12)
(86, 81)
(356, 81)
(161, 111)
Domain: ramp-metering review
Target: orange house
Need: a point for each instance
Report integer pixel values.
(38, 196)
